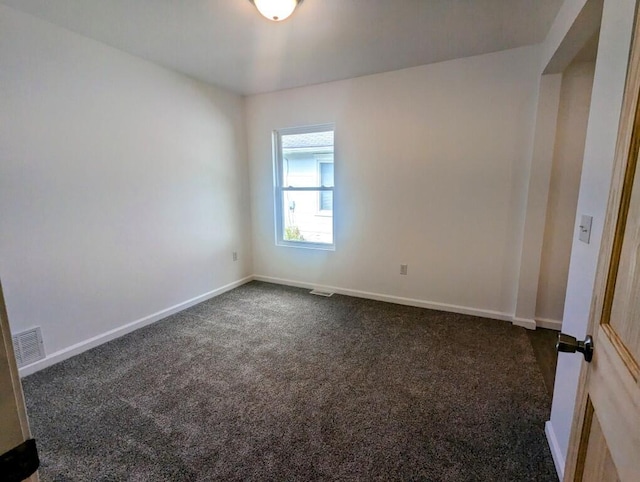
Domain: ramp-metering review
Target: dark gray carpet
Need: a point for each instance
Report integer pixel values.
(543, 343)
(271, 383)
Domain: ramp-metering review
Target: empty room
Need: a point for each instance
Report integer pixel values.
(319, 240)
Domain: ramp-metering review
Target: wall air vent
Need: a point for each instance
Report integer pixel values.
(28, 346)
(326, 294)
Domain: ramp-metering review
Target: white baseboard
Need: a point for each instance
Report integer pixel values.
(123, 330)
(549, 324)
(496, 315)
(524, 322)
(531, 324)
(556, 453)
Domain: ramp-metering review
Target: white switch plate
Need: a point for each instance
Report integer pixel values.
(585, 228)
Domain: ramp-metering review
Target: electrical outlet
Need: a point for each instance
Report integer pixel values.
(235, 256)
(404, 268)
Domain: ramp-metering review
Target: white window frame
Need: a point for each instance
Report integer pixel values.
(279, 189)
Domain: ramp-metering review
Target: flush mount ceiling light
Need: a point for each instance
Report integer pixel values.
(276, 10)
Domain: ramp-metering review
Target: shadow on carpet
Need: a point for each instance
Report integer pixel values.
(270, 383)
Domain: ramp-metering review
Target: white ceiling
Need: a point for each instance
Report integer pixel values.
(227, 43)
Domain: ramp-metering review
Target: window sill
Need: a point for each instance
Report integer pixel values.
(306, 245)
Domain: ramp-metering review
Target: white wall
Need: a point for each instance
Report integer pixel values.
(573, 114)
(431, 170)
(123, 185)
(537, 194)
(606, 100)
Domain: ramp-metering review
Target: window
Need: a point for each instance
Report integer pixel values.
(304, 184)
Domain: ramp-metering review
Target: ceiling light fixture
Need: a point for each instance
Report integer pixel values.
(276, 10)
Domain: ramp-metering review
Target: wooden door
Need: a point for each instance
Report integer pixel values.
(605, 437)
(14, 428)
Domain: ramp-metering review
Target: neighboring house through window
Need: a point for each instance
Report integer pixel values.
(304, 185)
(325, 178)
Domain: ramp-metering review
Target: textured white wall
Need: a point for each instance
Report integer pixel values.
(606, 101)
(431, 170)
(123, 185)
(537, 194)
(573, 114)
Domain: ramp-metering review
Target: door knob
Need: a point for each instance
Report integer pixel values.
(569, 344)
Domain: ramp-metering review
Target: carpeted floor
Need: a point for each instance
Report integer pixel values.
(271, 383)
(543, 343)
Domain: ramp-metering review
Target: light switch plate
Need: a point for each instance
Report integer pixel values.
(585, 228)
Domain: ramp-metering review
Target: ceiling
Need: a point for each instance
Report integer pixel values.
(227, 43)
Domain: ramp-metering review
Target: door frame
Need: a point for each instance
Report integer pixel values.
(16, 410)
(6, 352)
(624, 169)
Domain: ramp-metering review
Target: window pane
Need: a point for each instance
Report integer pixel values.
(326, 174)
(302, 221)
(326, 201)
(326, 180)
(300, 153)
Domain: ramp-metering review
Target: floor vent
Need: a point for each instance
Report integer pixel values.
(326, 294)
(28, 346)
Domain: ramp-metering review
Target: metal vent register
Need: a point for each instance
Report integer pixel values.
(28, 346)
(321, 293)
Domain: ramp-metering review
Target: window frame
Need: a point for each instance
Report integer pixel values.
(279, 189)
